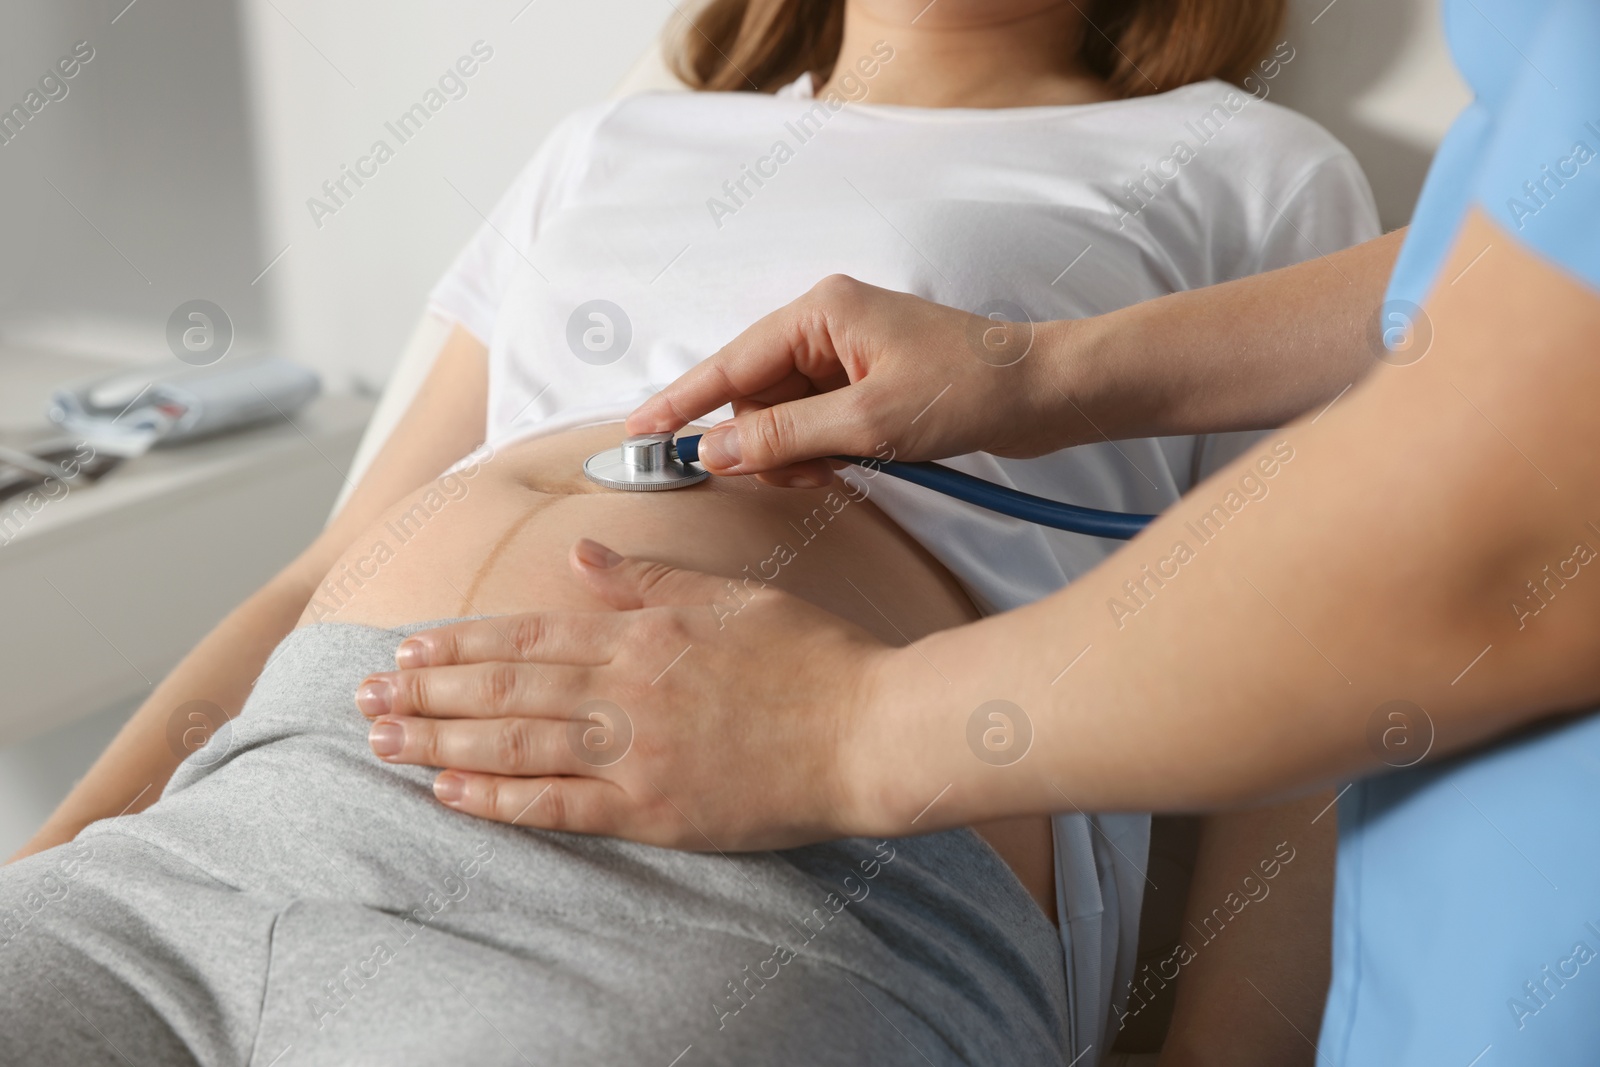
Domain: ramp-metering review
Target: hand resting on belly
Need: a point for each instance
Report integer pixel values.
(493, 539)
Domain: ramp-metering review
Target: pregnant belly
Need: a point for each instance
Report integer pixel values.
(493, 538)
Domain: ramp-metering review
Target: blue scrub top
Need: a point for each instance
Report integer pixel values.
(1467, 902)
(1527, 150)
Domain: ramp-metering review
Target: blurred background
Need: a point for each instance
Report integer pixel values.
(197, 153)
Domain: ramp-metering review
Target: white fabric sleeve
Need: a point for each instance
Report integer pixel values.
(472, 289)
(1328, 209)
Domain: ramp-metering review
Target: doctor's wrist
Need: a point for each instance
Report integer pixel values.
(1093, 381)
(892, 759)
(1073, 388)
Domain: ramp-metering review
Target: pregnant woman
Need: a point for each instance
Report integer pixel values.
(291, 898)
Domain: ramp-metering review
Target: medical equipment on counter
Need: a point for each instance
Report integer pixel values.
(60, 459)
(654, 461)
(116, 417)
(130, 411)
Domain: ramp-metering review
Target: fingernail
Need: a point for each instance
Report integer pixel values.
(595, 554)
(412, 653)
(387, 738)
(449, 788)
(375, 696)
(801, 481)
(721, 446)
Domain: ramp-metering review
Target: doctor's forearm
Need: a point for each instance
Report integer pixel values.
(1242, 355)
(1243, 647)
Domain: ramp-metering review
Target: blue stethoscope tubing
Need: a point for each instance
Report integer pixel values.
(1094, 522)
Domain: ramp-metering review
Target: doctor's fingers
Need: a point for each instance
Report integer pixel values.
(494, 690)
(790, 345)
(585, 638)
(573, 805)
(519, 747)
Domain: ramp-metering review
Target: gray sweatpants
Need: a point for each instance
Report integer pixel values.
(291, 900)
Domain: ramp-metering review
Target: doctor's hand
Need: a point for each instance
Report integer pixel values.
(856, 370)
(657, 722)
(851, 369)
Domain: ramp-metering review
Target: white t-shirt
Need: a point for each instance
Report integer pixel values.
(694, 214)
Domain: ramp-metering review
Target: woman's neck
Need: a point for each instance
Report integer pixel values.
(967, 53)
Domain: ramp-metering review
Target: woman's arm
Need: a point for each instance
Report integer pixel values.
(444, 423)
(933, 381)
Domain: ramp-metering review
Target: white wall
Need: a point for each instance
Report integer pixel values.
(134, 192)
(326, 79)
(1375, 73)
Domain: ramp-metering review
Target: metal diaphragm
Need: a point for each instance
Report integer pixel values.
(645, 463)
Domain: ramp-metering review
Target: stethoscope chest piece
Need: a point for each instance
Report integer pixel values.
(645, 463)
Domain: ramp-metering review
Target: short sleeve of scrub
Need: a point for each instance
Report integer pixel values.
(1527, 150)
(1467, 899)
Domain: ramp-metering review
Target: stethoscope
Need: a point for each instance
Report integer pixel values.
(654, 461)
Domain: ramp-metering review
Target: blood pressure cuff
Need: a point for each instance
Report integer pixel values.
(1527, 151)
